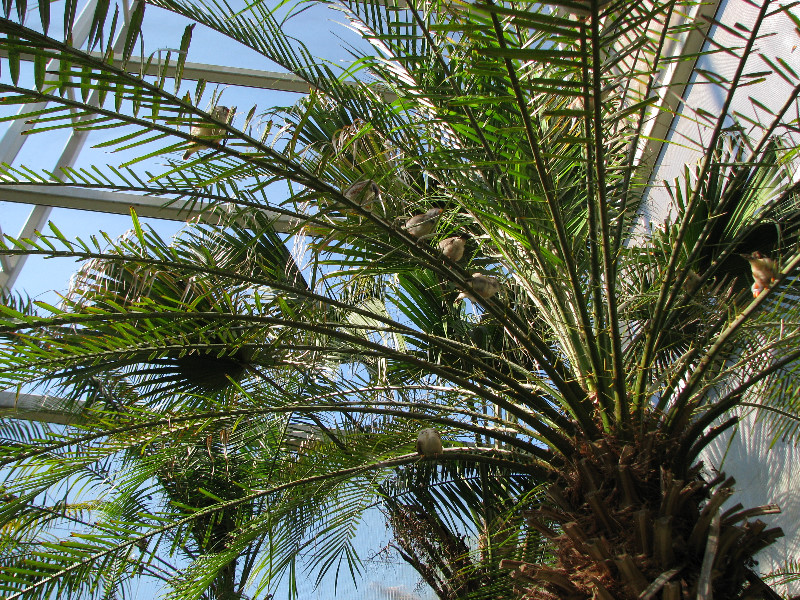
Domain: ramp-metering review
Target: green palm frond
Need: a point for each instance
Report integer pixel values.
(249, 389)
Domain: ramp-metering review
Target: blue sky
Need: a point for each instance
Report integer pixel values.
(318, 27)
(386, 576)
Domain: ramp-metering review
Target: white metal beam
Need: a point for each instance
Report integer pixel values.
(672, 89)
(254, 78)
(117, 203)
(34, 407)
(50, 409)
(13, 140)
(226, 75)
(45, 197)
(5, 265)
(40, 213)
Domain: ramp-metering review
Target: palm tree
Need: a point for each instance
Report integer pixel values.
(575, 398)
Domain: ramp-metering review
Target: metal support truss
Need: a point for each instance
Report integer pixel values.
(12, 142)
(673, 87)
(44, 198)
(34, 407)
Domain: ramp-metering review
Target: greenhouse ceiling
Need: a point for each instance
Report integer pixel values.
(40, 200)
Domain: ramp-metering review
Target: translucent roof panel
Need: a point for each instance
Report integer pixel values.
(236, 76)
(753, 105)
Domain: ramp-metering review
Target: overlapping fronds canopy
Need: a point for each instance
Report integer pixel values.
(248, 389)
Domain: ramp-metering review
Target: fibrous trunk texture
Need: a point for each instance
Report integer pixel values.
(626, 526)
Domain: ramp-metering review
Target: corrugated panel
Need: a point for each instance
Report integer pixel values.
(764, 474)
(780, 40)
